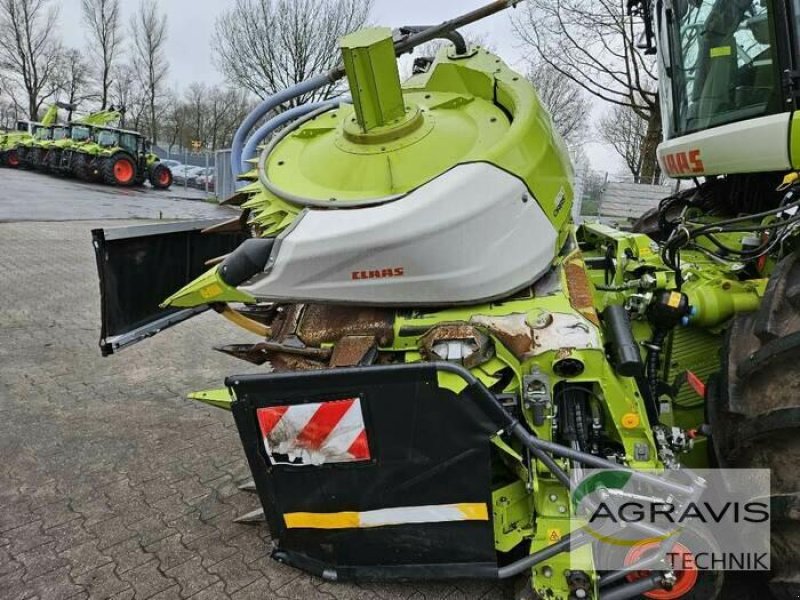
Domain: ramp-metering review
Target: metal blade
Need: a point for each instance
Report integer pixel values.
(248, 486)
(257, 516)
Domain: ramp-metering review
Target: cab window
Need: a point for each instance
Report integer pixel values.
(724, 63)
(107, 138)
(80, 134)
(129, 142)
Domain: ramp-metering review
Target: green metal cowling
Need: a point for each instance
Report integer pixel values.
(463, 110)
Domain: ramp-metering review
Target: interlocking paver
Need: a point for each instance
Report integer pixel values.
(128, 555)
(84, 558)
(235, 573)
(170, 552)
(113, 485)
(41, 560)
(192, 576)
(147, 580)
(102, 582)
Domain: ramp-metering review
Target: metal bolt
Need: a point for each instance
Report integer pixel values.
(547, 572)
(579, 593)
(553, 497)
(562, 509)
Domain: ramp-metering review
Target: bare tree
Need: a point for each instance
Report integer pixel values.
(71, 78)
(268, 45)
(9, 110)
(149, 29)
(174, 122)
(593, 43)
(29, 52)
(103, 18)
(126, 92)
(625, 130)
(206, 115)
(195, 106)
(565, 101)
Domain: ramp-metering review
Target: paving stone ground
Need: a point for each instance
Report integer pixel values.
(112, 485)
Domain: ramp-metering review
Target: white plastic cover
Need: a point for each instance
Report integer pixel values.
(470, 235)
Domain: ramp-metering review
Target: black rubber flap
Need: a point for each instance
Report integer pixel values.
(141, 266)
(428, 446)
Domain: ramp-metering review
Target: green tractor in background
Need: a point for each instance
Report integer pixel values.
(61, 151)
(47, 149)
(122, 158)
(8, 145)
(26, 148)
(63, 154)
(89, 148)
(32, 149)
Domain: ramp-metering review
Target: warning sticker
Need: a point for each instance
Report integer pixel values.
(315, 434)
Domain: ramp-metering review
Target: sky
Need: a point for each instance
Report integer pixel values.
(191, 27)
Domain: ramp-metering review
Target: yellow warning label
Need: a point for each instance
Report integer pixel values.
(210, 291)
(674, 300)
(720, 51)
(553, 535)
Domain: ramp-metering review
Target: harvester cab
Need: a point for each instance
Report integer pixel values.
(728, 80)
(451, 356)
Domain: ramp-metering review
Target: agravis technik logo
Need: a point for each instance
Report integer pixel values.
(711, 519)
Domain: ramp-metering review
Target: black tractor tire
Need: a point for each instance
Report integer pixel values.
(12, 159)
(754, 412)
(160, 177)
(35, 159)
(22, 156)
(95, 169)
(119, 170)
(56, 158)
(80, 167)
(50, 162)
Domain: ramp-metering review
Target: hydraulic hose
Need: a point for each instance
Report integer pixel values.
(272, 103)
(453, 36)
(251, 148)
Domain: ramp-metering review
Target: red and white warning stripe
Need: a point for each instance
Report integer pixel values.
(314, 434)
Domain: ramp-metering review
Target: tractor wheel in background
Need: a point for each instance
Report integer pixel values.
(54, 161)
(22, 156)
(160, 177)
(120, 170)
(35, 159)
(80, 167)
(49, 162)
(94, 169)
(754, 412)
(12, 159)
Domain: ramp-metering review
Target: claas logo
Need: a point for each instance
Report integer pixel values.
(379, 273)
(684, 163)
